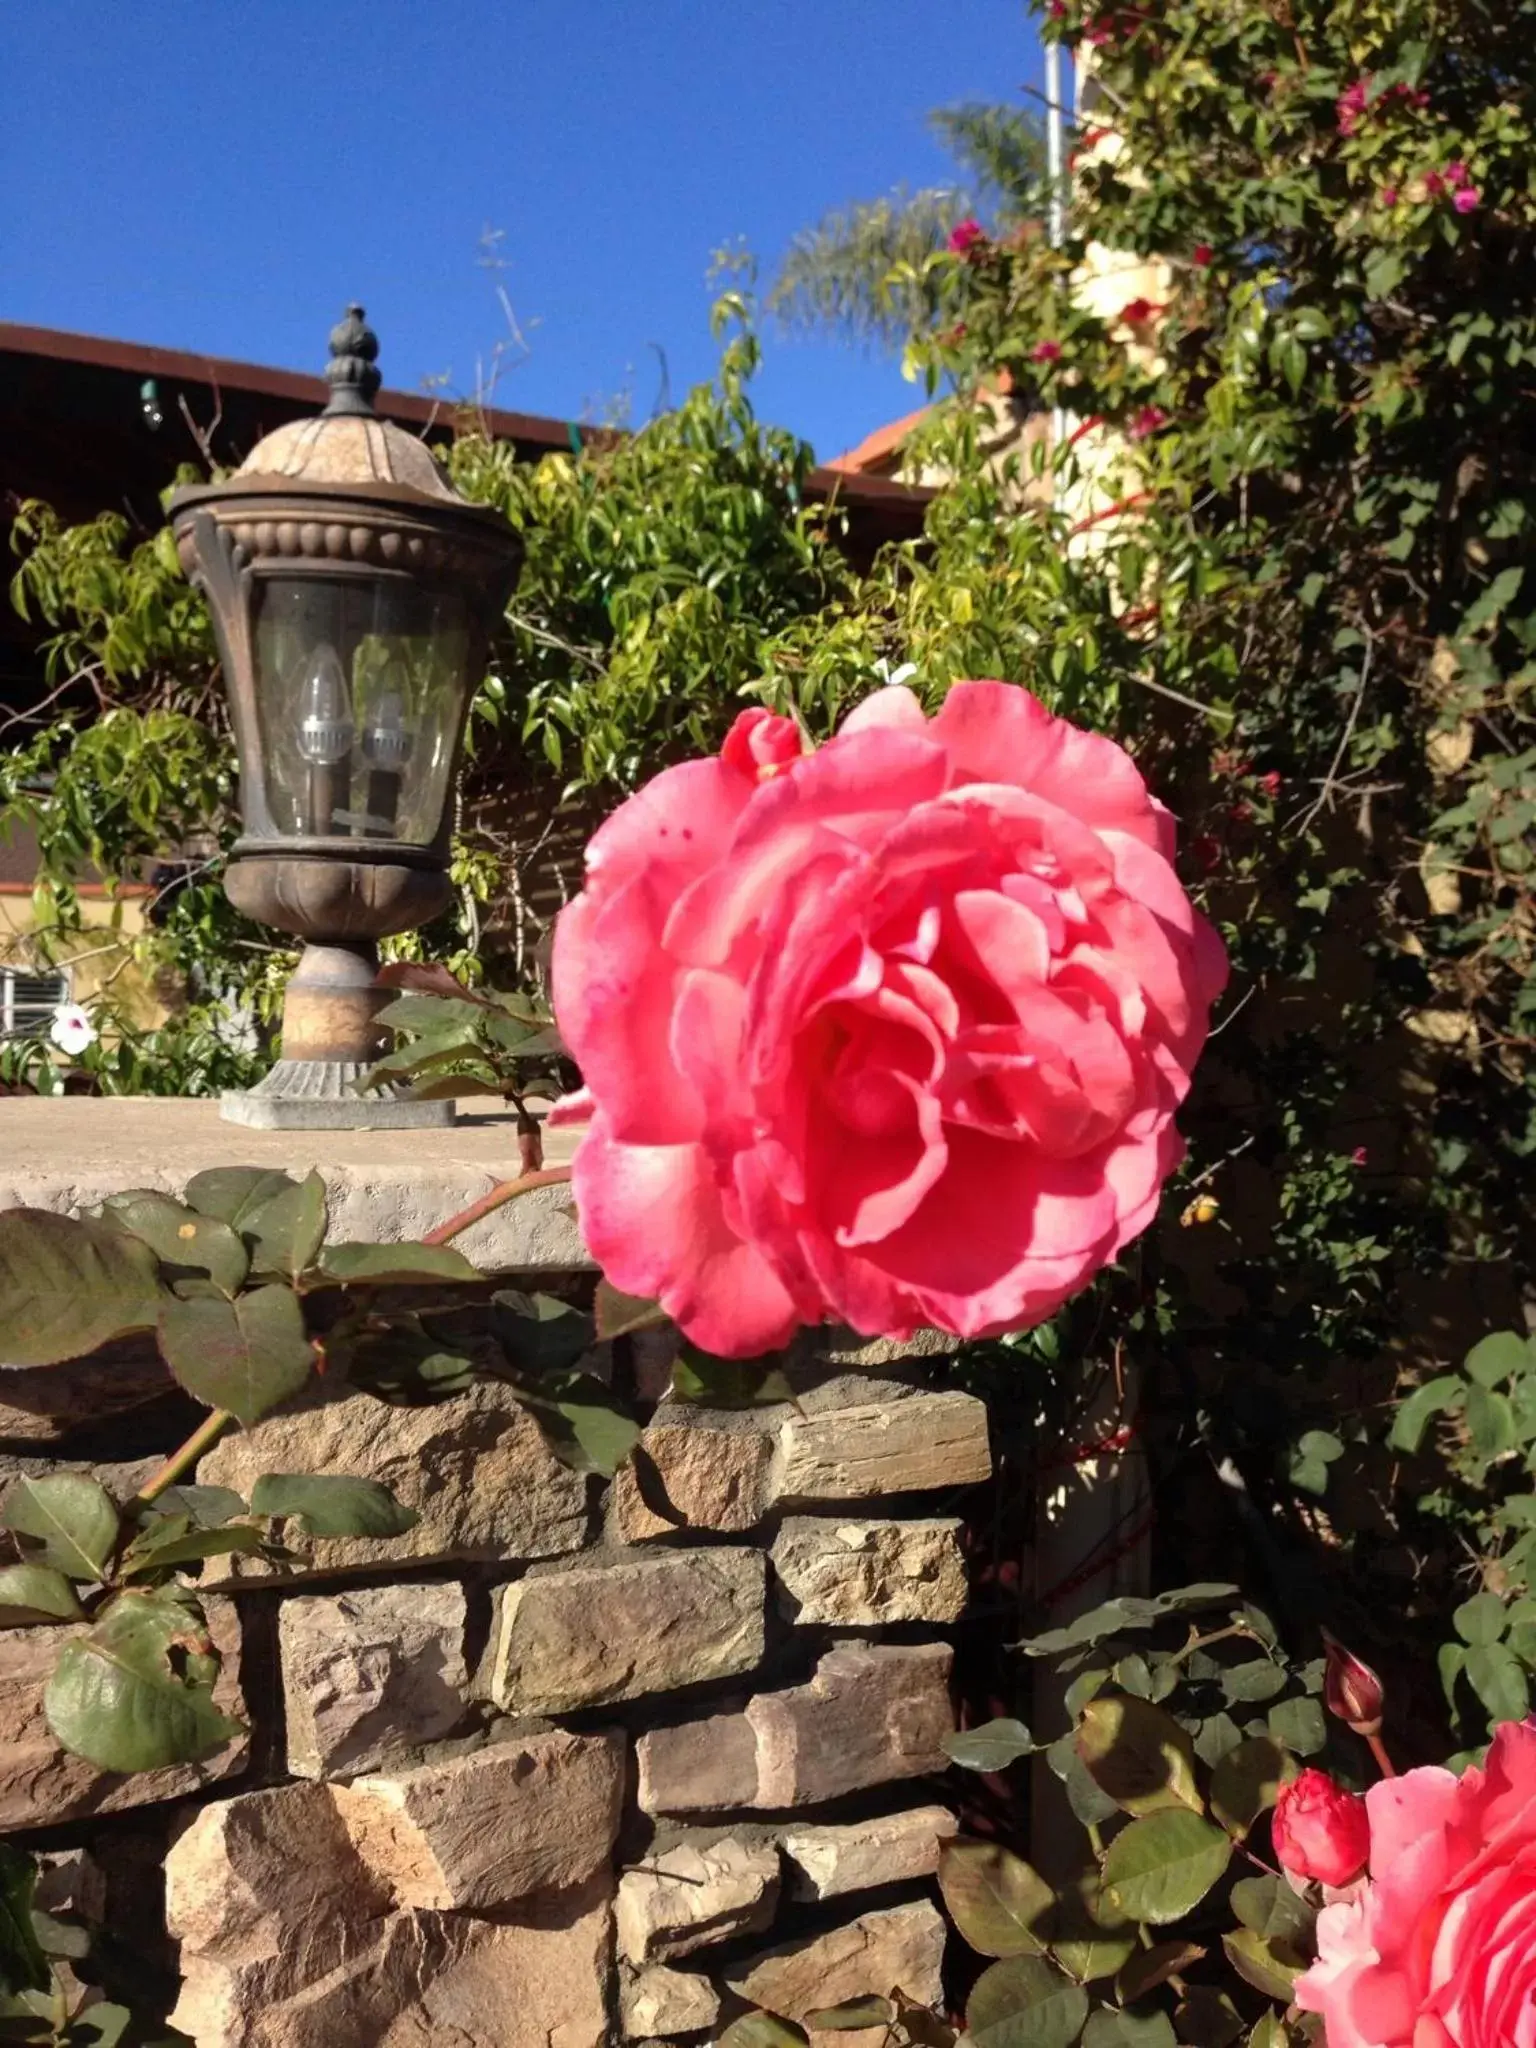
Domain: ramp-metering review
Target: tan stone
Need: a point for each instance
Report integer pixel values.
(911, 1445)
(616, 1631)
(291, 1938)
(699, 1766)
(839, 1345)
(871, 1713)
(869, 1574)
(44, 1403)
(476, 1468)
(42, 1782)
(658, 2000)
(533, 1813)
(693, 1477)
(692, 1893)
(899, 1949)
(828, 1861)
(416, 1980)
(369, 1673)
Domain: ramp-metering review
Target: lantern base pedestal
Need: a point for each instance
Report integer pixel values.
(319, 1095)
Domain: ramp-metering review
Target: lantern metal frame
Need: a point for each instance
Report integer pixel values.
(338, 893)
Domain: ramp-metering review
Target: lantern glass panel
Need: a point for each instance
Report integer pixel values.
(360, 686)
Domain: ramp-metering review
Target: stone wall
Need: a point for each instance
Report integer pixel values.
(572, 1762)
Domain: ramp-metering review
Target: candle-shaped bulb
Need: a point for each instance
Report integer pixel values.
(387, 739)
(325, 711)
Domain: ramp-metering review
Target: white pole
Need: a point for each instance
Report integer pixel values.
(1055, 215)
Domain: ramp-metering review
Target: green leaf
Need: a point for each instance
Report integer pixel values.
(1023, 2003)
(1108, 2028)
(179, 1236)
(154, 1552)
(1088, 1802)
(762, 2030)
(1090, 1937)
(1247, 1783)
(853, 2013)
(36, 1592)
(73, 1519)
(104, 2026)
(584, 1422)
(1160, 1868)
(69, 1284)
(332, 1504)
(245, 1355)
(1482, 1619)
(1502, 1356)
(206, 1507)
(1490, 1423)
(235, 1194)
(1440, 1396)
(1137, 1755)
(23, 1966)
(286, 1232)
(991, 1747)
(1260, 1679)
(1262, 1964)
(1500, 1681)
(704, 1381)
(1270, 1907)
(619, 1315)
(1207, 2018)
(136, 1692)
(1000, 1903)
(1310, 1458)
(539, 1333)
(1298, 1725)
(1216, 1735)
(394, 1265)
(1150, 1967)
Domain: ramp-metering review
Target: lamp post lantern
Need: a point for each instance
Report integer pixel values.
(353, 595)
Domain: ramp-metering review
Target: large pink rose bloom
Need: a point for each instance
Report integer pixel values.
(891, 1033)
(1439, 1948)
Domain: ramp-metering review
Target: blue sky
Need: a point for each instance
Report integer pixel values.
(222, 175)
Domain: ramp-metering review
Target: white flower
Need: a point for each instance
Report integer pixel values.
(894, 678)
(71, 1030)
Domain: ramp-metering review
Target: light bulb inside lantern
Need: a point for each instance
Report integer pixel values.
(387, 744)
(326, 732)
(325, 711)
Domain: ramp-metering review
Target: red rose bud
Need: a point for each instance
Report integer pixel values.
(1201, 255)
(1352, 1692)
(1321, 1831)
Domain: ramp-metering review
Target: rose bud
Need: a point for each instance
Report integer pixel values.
(1321, 1831)
(1352, 1692)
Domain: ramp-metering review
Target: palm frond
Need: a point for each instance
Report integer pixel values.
(1001, 147)
(838, 274)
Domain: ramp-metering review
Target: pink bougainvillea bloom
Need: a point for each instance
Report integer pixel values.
(1466, 199)
(1272, 783)
(1320, 1830)
(894, 1036)
(1434, 184)
(1438, 1948)
(1455, 174)
(1389, 195)
(1138, 312)
(1201, 255)
(1147, 421)
(1045, 352)
(965, 235)
(1350, 105)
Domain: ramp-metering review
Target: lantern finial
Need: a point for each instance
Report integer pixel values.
(352, 372)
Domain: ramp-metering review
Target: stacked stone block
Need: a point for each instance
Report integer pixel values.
(570, 1763)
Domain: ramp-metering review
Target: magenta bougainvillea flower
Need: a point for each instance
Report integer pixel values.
(965, 235)
(892, 1032)
(1045, 352)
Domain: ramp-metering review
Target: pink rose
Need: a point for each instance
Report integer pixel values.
(1439, 1948)
(965, 235)
(893, 1036)
(1320, 1830)
(760, 743)
(1466, 199)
